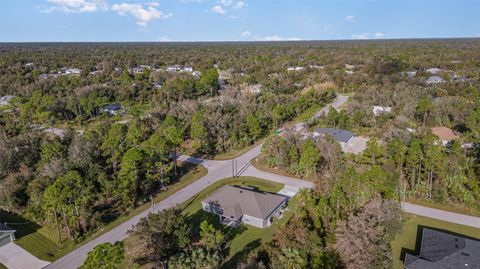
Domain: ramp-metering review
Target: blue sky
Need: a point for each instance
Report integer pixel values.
(235, 20)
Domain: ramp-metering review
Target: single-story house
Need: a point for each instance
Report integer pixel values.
(113, 109)
(377, 110)
(411, 74)
(349, 66)
(235, 205)
(341, 136)
(445, 134)
(72, 71)
(295, 68)
(434, 70)
(5, 100)
(441, 250)
(434, 80)
(7, 234)
(255, 88)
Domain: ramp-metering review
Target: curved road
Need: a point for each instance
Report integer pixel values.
(217, 170)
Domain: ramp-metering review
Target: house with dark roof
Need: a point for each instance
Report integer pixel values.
(7, 234)
(236, 205)
(341, 136)
(113, 109)
(440, 250)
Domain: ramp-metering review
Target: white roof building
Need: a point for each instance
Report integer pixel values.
(377, 110)
(434, 80)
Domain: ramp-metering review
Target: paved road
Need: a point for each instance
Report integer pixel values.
(441, 215)
(217, 170)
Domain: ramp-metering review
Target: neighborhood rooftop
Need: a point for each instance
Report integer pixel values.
(444, 133)
(440, 250)
(237, 201)
(338, 134)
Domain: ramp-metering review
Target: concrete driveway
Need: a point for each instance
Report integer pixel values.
(357, 145)
(15, 257)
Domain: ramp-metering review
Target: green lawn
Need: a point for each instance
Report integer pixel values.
(410, 235)
(43, 242)
(245, 238)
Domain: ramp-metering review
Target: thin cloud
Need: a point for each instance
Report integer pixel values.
(246, 33)
(368, 35)
(239, 5)
(219, 10)
(74, 6)
(143, 15)
(279, 38)
(164, 39)
(349, 18)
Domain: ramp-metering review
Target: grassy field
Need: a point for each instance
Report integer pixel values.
(260, 166)
(245, 238)
(43, 242)
(406, 240)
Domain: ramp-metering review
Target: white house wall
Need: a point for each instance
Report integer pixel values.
(253, 221)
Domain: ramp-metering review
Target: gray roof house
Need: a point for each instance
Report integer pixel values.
(7, 234)
(339, 135)
(440, 250)
(113, 109)
(235, 205)
(434, 80)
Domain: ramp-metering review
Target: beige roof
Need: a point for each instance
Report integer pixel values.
(237, 201)
(444, 133)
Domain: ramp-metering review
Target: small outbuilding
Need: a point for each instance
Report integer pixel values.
(377, 110)
(434, 80)
(113, 109)
(445, 134)
(7, 234)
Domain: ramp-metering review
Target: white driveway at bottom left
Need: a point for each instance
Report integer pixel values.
(15, 257)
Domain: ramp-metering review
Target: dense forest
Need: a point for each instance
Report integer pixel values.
(104, 165)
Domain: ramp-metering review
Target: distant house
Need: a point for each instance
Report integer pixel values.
(157, 85)
(113, 109)
(30, 64)
(71, 71)
(138, 70)
(349, 72)
(295, 68)
(255, 88)
(236, 205)
(7, 234)
(440, 250)
(434, 80)
(349, 66)
(433, 70)
(196, 74)
(411, 74)
(5, 100)
(377, 110)
(445, 134)
(341, 136)
(179, 68)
